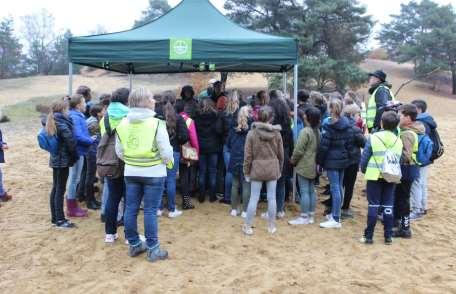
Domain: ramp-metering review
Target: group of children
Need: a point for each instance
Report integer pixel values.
(247, 145)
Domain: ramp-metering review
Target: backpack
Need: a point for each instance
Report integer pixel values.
(425, 150)
(48, 142)
(438, 148)
(108, 163)
(391, 168)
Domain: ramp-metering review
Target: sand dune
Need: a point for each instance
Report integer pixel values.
(208, 252)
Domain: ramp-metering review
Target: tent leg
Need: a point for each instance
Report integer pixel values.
(295, 122)
(130, 82)
(70, 79)
(284, 82)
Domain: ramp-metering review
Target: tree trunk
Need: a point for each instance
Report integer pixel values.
(453, 75)
(223, 78)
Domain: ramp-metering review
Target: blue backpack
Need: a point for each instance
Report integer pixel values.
(425, 150)
(48, 142)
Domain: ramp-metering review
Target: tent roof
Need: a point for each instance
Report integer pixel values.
(195, 26)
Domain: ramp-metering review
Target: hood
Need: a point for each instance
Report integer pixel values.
(341, 124)
(386, 84)
(76, 112)
(266, 132)
(427, 119)
(137, 115)
(117, 110)
(418, 127)
(63, 118)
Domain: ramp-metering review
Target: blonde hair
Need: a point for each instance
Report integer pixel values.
(335, 107)
(243, 118)
(140, 98)
(351, 110)
(56, 107)
(232, 103)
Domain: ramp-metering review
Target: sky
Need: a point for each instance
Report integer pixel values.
(83, 16)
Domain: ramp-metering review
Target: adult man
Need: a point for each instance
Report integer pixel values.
(218, 96)
(381, 94)
(208, 92)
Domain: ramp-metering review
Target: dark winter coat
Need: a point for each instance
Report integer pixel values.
(428, 122)
(191, 107)
(228, 121)
(81, 132)
(2, 153)
(209, 127)
(358, 141)
(335, 145)
(67, 154)
(236, 144)
(381, 100)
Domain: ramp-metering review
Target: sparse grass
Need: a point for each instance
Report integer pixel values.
(26, 110)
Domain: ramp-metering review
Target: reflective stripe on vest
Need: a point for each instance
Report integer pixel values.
(381, 142)
(138, 142)
(371, 111)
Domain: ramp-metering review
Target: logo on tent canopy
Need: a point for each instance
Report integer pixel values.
(180, 49)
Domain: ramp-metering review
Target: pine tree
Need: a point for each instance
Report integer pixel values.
(156, 9)
(11, 57)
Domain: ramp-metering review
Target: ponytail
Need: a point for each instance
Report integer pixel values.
(56, 107)
(168, 100)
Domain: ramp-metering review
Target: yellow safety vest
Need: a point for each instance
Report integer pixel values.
(372, 107)
(380, 143)
(138, 142)
(415, 146)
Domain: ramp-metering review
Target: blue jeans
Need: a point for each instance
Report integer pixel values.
(104, 197)
(228, 175)
(380, 194)
(2, 190)
(74, 177)
(151, 191)
(280, 193)
(208, 169)
(336, 180)
(308, 195)
(116, 188)
(171, 184)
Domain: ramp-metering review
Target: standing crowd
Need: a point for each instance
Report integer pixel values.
(237, 150)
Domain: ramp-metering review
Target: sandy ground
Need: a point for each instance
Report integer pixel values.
(208, 252)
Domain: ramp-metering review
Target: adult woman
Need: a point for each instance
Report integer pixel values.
(83, 142)
(178, 136)
(333, 156)
(60, 125)
(209, 128)
(145, 171)
(262, 164)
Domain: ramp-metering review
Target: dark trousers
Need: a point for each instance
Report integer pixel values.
(380, 195)
(116, 189)
(81, 189)
(91, 171)
(185, 178)
(402, 203)
(59, 180)
(350, 175)
(208, 171)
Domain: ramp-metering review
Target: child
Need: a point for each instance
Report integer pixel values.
(262, 163)
(410, 129)
(419, 192)
(334, 158)
(304, 159)
(236, 144)
(93, 123)
(380, 193)
(4, 196)
(59, 124)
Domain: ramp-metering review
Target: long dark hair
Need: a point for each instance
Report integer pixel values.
(167, 102)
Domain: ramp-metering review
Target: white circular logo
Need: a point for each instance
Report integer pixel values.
(180, 47)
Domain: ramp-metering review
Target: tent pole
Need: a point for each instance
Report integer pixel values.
(295, 122)
(130, 81)
(284, 82)
(70, 78)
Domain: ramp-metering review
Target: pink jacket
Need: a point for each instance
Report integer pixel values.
(191, 131)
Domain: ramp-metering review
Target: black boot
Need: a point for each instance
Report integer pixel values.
(186, 202)
(201, 197)
(92, 205)
(212, 198)
(404, 231)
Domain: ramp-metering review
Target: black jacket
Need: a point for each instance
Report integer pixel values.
(191, 107)
(358, 141)
(228, 121)
(67, 154)
(209, 127)
(382, 97)
(334, 150)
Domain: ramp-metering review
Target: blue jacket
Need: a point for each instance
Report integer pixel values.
(337, 137)
(236, 144)
(428, 122)
(80, 132)
(2, 153)
(358, 142)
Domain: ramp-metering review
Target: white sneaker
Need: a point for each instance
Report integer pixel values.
(175, 213)
(331, 224)
(233, 212)
(272, 229)
(159, 212)
(281, 214)
(244, 214)
(247, 229)
(311, 220)
(111, 238)
(264, 215)
(329, 217)
(141, 237)
(299, 221)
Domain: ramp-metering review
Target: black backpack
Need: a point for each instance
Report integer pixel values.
(438, 149)
(108, 164)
